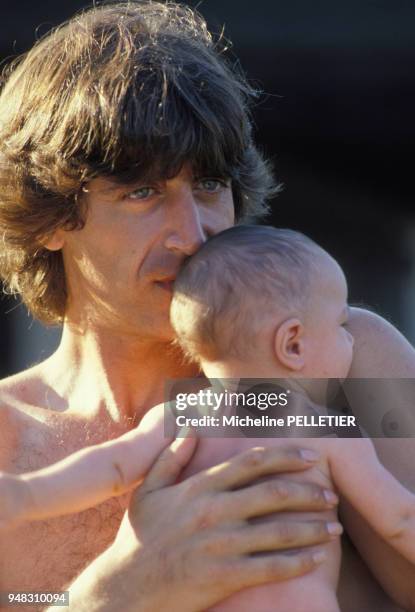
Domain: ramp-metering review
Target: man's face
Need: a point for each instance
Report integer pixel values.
(121, 266)
(330, 345)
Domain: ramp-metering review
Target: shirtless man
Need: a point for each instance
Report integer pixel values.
(124, 143)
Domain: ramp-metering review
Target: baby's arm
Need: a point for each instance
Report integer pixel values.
(379, 497)
(85, 478)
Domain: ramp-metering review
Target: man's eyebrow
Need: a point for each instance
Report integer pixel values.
(140, 180)
(115, 186)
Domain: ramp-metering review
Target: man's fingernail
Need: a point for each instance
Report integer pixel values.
(176, 443)
(334, 529)
(309, 455)
(319, 556)
(330, 497)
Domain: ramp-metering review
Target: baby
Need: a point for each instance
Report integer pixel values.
(258, 302)
(254, 302)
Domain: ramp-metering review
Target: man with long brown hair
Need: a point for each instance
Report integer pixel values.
(125, 141)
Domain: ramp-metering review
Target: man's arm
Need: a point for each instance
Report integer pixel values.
(86, 478)
(380, 351)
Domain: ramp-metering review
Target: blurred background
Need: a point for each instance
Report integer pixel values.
(337, 119)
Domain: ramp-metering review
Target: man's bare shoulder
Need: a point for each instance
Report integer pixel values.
(22, 408)
(28, 391)
(10, 425)
(380, 350)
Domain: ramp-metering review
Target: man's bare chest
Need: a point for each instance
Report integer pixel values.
(49, 554)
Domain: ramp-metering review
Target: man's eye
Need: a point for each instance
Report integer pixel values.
(142, 193)
(212, 185)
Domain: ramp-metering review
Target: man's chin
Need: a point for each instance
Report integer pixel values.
(160, 330)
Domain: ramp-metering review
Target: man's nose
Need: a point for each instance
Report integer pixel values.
(186, 233)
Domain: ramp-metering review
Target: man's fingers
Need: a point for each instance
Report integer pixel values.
(258, 570)
(255, 463)
(276, 495)
(278, 535)
(168, 466)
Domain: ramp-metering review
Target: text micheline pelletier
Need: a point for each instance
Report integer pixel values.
(210, 408)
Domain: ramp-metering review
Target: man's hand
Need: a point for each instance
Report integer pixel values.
(187, 546)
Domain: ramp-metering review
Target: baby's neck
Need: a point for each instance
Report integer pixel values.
(236, 369)
(232, 372)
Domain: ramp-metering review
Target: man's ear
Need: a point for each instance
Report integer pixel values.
(55, 241)
(289, 344)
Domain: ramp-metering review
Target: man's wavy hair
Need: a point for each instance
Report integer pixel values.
(122, 90)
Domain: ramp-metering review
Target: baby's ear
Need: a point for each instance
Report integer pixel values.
(289, 344)
(55, 241)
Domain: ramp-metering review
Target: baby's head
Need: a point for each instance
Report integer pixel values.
(256, 301)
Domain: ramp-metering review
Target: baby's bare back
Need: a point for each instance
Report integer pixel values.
(314, 592)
